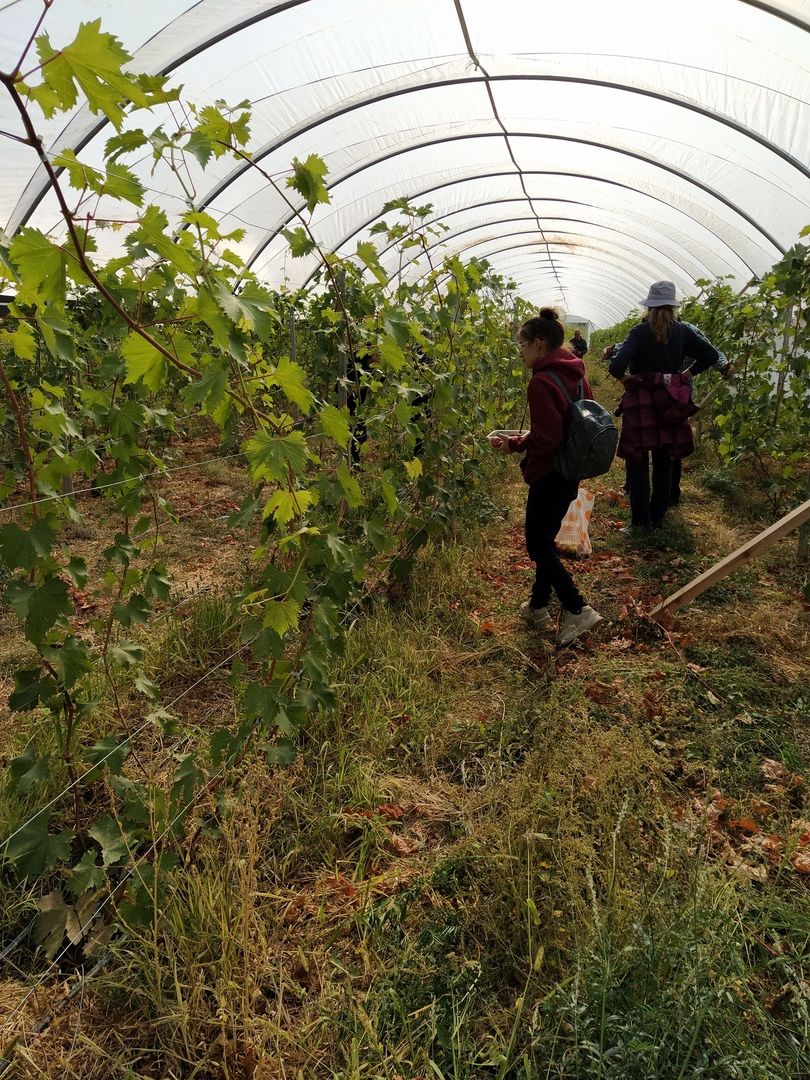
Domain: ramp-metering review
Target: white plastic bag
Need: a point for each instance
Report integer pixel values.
(573, 536)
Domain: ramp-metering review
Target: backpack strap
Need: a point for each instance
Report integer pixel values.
(561, 387)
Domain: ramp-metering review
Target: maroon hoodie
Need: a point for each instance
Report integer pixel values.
(548, 411)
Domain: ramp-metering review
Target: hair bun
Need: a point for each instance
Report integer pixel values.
(550, 313)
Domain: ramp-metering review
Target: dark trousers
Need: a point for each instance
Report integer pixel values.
(675, 486)
(646, 507)
(548, 500)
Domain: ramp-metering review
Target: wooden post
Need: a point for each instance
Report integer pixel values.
(736, 559)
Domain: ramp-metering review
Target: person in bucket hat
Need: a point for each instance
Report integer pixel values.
(656, 402)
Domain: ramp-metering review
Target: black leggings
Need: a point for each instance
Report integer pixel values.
(548, 500)
(649, 508)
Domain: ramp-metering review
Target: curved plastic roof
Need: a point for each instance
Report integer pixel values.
(585, 148)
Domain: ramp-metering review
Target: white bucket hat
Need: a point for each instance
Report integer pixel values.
(661, 294)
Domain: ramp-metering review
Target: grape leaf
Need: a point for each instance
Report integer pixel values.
(92, 63)
(107, 753)
(126, 653)
(291, 380)
(86, 874)
(391, 353)
(71, 659)
(281, 615)
(24, 342)
(370, 257)
(51, 923)
(378, 535)
(270, 455)
(285, 505)
(42, 267)
(28, 769)
(307, 179)
(136, 610)
(157, 583)
(397, 325)
(336, 425)
(209, 390)
(40, 606)
(113, 842)
(56, 334)
(29, 689)
(119, 182)
(143, 362)
(300, 242)
(22, 549)
(33, 850)
(351, 489)
(124, 143)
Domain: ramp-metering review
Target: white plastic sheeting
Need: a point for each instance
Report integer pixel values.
(585, 148)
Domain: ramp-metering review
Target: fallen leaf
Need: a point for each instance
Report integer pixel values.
(392, 811)
(801, 862)
(772, 848)
(745, 825)
(752, 873)
(761, 808)
(402, 845)
(773, 770)
(341, 885)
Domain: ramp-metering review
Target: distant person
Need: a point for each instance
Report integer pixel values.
(578, 344)
(542, 353)
(657, 400)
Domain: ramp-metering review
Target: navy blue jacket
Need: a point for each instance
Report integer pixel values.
(640, 352)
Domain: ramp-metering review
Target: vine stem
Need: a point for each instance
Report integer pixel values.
(29, 461)
(70, 732)
(46, 4)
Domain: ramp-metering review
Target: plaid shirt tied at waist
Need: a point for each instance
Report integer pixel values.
(655, 410)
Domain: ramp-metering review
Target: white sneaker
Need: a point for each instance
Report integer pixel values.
(538, 617)
(573, 626)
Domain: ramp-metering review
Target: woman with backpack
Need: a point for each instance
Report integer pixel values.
(657, 401)
(555, 374)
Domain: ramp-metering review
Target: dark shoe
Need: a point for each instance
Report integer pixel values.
(634, 530)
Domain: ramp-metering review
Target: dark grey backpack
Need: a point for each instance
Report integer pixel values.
(590, 436)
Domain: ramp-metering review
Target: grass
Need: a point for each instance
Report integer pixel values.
(491, 859)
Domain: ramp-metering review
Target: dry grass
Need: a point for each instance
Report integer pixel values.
(494, 848)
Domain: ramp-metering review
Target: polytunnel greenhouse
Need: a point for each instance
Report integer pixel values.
(574, 149)
(334, 745)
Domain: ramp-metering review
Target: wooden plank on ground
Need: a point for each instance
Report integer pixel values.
(794, 520)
